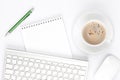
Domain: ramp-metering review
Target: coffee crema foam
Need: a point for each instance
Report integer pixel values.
(94, 32)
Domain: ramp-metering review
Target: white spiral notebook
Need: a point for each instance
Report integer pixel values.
(47, 35)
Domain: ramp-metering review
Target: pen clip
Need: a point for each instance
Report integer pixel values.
(26, 16)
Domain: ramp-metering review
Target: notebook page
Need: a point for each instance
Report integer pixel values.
(48, 36)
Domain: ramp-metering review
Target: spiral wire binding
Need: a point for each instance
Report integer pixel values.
(44, 21)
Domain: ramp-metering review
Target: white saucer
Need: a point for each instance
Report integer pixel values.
(79, 25)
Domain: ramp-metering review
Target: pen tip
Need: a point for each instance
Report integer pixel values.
(32, 9)
(6, 34)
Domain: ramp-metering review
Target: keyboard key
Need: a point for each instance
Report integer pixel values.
(65, 75)
(71, 76)
(75, 71)
(16, 67)
(27, 68)
(24, 78)
(43, 61)
(32, 70)
(21, 68)
(61, 64)
(15, 57)
(77, 67)
(66, 65)
(55, 78)
(81, 72)
(8, 71)
(9, 66)
(38, 71)
(19, 78)
(54, 73)
(22, 73)
(52, 67)
(49, 78)
(19, 62)
(9, 56)
(14, 61)
(54, 63)
(58, 68)
(25, 63)
(27, 74)
(47, 66)
(38, 76)
(43, 71)
(60, 74)
(72, 66)
(33, 75)
(8, 60)
(38, 61)
(82, 77)
(44, 77)
(77, 77)
(63, 69)
(41, 65)
(61, 79)
(26, 59)
(16, 73)
(49, 72)
(13, 77)
(83, 68)
(20, 58)
(49, 62)
(7, 76)
(36, 65)
(69, 70)
(30, 64)
(32, 60)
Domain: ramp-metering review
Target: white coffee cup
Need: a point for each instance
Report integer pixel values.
(77, 32)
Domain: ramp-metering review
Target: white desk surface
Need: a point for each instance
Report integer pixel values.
(11, 11)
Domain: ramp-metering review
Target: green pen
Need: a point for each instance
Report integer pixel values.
(20, 21)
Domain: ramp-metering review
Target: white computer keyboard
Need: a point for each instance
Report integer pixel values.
(31, 66)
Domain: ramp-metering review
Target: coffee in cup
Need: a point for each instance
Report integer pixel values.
(94, 32)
